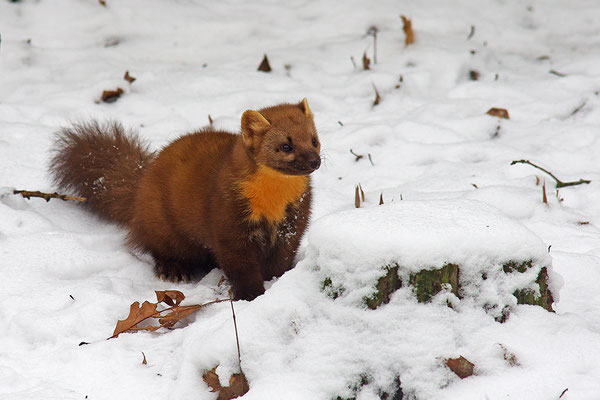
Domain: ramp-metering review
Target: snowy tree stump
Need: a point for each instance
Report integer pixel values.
(429, 282)
(454, 248)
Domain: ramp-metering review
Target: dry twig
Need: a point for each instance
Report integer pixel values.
(237, 340)
(559, 183)
(358, 156)
(47, 196)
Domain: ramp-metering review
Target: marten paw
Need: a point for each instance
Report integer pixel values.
(173, 271)
(248, 292)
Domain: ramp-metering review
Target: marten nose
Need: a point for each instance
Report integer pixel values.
(314, 162)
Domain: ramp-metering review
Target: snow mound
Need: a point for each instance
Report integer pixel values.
(353, 249)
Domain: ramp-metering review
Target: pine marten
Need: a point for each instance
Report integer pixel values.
(209, 199)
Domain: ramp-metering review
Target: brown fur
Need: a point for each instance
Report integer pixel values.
(209, 199)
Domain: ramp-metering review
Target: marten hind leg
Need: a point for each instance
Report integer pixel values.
(183, 270)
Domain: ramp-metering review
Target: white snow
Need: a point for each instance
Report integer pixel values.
(66, 277)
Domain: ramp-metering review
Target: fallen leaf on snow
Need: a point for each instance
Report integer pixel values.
(110, 96)
(264, 65)
(460, 366)
(498, 112)
(408, 31)
(238, 385)
(128, 77)
(167, 318)
(366, 61)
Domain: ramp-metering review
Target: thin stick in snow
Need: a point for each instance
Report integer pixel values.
(559, 183)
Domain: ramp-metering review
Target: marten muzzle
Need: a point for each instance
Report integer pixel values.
(306, 164)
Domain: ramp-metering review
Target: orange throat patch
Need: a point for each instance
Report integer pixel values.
(269, 192)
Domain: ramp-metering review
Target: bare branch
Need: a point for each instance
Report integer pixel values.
(47, 196)
(559, 183)
(358, 156)
(237, 340)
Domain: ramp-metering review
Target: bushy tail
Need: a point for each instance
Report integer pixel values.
(102, 162)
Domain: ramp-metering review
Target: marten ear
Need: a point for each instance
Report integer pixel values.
(304, 107)
(253, 124)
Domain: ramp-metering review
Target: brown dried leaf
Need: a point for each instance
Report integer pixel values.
(408, 31)
(136, 315)
(110, 96)
(498, 112)
(381, 199)
(167, 318)
(212, 380)
(356, 197)
(238, 385)
(102, 2)
(460, 366)
(128, 77)
(176, 314)
(169, 297)
(362, 193)
(366, 61)
(144, 362)
(264, 65)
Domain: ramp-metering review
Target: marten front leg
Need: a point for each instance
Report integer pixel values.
(289, 234)
(242, 265)
(183, 270)
(281, 258)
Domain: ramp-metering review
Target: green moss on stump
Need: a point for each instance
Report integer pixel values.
(386, 285)
(429, 282)
(394, 394)
(332, 292)
(528, 296)
(512, 266)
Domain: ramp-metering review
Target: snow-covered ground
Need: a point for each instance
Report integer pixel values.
(66, 277)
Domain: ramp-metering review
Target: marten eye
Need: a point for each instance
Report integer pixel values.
(286, 148)
(315, 142)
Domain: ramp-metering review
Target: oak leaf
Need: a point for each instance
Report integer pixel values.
(238, 385)
(212, 380)
(110, 96)
(167, 318)
(137, 314)
(460, 366)
(170, 297)
(177, 314)
(498, 112)
(128, 77)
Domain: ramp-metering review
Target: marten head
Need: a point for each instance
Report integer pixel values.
(283, 138)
